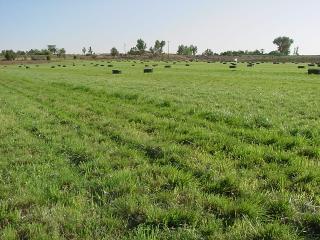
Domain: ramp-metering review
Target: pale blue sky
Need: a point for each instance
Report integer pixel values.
(220, 25)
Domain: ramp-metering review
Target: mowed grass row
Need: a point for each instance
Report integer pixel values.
(198, 152)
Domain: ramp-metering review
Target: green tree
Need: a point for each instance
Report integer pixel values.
(193, 49)
(207, 52)
(62, 53)
(90, 51)
(84, 50)
(158, 47)
(141, 46)
(114, 52)
(184, 50)
(283, 44)
(9, 55)
(52, 49)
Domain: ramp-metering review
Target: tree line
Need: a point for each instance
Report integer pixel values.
(51, 50)
(283, 48)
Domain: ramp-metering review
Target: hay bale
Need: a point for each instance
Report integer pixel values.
(27, 67)
(187, 65)
(133, 65)
(301, 66)
(167, 66)
(101, 65)
(53, 66)
(233, 66)
(311, 65)
(116, 71)
(110, 65)
(314, 71)
(64, 66)
(148, 70)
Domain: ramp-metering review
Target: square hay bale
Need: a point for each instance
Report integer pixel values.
(116, 71)
(148, 70)
(314, 71)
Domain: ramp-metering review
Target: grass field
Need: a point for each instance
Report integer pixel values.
(188, 152)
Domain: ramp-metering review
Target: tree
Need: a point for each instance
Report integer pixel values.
(193, 49)
(207, 52)
(274, 53)
(141, 46)
(52, 49)
(283, 44)
(90, 51)
(114, 52)
(158, 47)
(134, 51)
(9, 55)
(62, 53)
(185, 50)
(84, 50)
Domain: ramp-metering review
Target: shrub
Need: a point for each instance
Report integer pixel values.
(167, 66)
(233, 66)
(301, 66)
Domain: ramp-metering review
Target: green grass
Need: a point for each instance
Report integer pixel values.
(187, 152)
